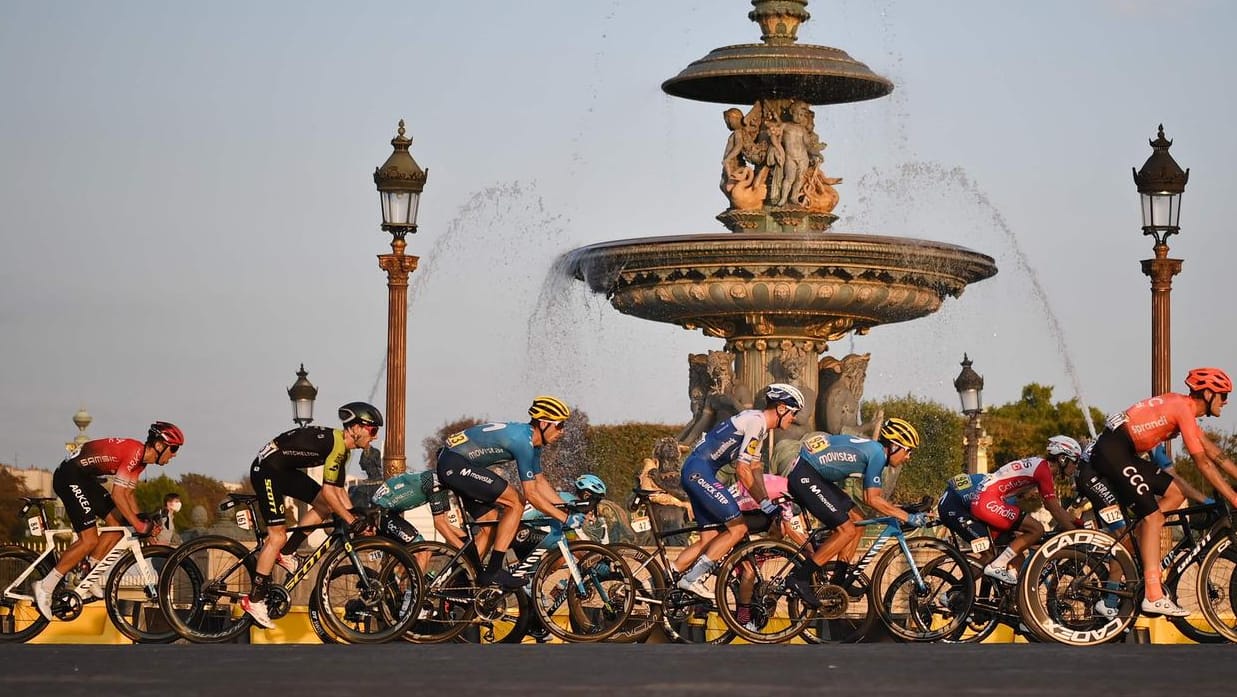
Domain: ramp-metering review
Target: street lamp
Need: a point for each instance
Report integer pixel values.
(302, 393)
(970, 387)
(1161, 182)
(400, 183)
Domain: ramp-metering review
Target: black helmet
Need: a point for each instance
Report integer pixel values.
(360, 412)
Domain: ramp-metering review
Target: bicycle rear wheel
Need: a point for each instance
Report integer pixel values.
(650, 587)
(132, 600)
(369, 594)
(847, 616)
(201, 586)
(591, 611)
(20, 619)
(1062, 582)
(1217, 588)
(756, 573)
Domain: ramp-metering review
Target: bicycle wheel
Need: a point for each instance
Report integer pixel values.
(131, 595)
(984, 617)
(1192, 593)
(447, 596)
(370, 593)
(756, 573)
(592, 609)
(1064, 579)
(927, 611)
(201, 586)
(20, 619)
(650, 587)
(1217, 588)
(846, 616)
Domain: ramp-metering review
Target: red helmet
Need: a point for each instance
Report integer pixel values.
(167, 432)
(1212, 379)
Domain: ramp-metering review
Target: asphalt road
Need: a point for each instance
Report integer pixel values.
(638, 670)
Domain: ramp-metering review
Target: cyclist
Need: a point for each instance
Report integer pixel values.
(825, 461)
(738, 440)
(464, 467)
(587, 492)
(954, 510)
(279, 470)
(992, 507)
(410, 490)
(86, 501)
(1138, 483)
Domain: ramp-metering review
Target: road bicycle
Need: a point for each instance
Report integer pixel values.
(366, 592)
(1073, 572)
(127, 575)
(577, 590)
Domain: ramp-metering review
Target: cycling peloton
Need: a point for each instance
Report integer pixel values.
(736, 440)
(86, 501)
(992, 508)
(1138, 482)
(824, 461)
(464, 467)
(279, 471)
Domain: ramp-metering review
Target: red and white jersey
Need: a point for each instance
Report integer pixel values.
(121, 457)
(1019, 475)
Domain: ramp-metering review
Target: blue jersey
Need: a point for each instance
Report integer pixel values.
(736, 439)
(492, 443)
(965, 486)
(838, 457)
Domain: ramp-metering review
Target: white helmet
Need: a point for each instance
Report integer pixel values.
(782, 393)
(1064, 446)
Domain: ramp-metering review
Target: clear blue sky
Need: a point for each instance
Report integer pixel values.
(188, 212)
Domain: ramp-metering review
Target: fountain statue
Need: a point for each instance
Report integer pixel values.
(780, 285)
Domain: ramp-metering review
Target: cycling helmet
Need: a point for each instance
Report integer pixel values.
(781, 393)
(1064, 446)
(360, 412)
(899, 432)
(547, 408)
(167, 432)
(591, 484)
(1212, 379)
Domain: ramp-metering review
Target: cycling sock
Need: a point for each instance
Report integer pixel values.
(701, 568)
(91, 562)
(495, 563)
(51, 580)
(1003, 559)
(294, 542)
(260, 581)
(1111, 599)
(805, 569)
(743, 613)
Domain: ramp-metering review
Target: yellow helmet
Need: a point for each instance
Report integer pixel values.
(899, 432)
(547, 408)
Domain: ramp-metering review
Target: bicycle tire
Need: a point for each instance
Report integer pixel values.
(209, 612)
(981, 621)
(646, 611)
(856, 625)
(602, 608)
(20, 620)
(361, 608)
(1063, 580)
(767, 563)
(131, 608)
(948, 594)
(1217, 568)
(1191, 595)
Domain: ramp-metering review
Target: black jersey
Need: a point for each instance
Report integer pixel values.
(306, 447)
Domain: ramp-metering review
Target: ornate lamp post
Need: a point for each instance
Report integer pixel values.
(302, 393)
(970, 387)
(1161, 182)
(400, 182)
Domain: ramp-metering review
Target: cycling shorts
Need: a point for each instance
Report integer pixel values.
(711, 502)
(478, 487)
(1095, 489)
(992, 510)
(955, 513)
(272, 484)
(85, 500)
(1136, 481)
(822, 498)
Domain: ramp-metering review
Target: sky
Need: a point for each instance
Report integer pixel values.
(187, 211)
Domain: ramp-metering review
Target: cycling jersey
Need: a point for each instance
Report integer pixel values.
(1153, 421)
(120, 457)
(839, 456)
(990, 505)
(737, 439)
(489, 444)
(954, 506)
(409, 490)
(306, 447)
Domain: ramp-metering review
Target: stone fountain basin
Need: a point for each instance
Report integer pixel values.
(812, 284)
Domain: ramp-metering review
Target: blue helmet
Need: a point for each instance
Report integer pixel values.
(592, 484)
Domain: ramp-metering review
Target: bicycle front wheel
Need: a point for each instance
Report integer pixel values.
(131, 595)
(201, 586)
(1217, 588)
(369, 594)
(20, 619)
(926, 597)
(591, 608)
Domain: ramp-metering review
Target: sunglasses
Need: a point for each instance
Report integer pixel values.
(371, 429)
(173, 448)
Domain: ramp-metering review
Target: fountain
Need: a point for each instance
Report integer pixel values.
(780, 285)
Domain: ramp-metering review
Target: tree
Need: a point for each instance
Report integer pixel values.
(940, 454)
(1022, 428)
(200, 490)
(150, 495)
(12, 488)
(433, 443)
(616, 451)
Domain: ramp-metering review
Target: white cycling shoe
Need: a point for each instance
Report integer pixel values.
(43, 599)
(1002, 573)
(1102, 609)
(698, 587)
(1164, 606)
(257, 610)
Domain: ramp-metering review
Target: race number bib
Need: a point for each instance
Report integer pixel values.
(961, 482)
(456, 439)
(1110, 514)
(641, 524)
(36, 526)
(243, 521)
(816, 444)
(1115, 421)
(980, 544)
